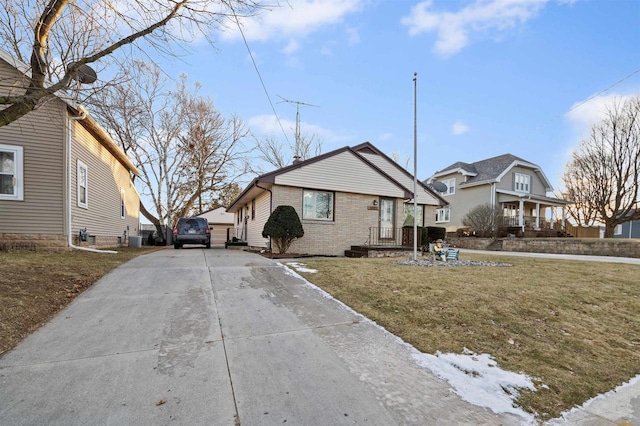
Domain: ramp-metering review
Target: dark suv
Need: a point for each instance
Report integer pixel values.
(191, 230)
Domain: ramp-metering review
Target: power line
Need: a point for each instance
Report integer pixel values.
(264, 87)
(602, 91)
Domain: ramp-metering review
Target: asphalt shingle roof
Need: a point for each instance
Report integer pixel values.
(484, 170)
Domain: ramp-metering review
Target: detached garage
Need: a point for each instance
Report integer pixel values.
(219, 222)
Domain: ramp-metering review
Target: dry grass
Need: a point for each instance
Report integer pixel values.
(575, 325)
(34, 286)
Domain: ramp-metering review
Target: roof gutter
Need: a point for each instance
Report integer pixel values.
(82, 116)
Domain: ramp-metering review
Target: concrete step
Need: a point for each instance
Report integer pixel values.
(355, 253)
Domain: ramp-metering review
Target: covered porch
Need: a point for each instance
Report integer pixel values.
(533, 215)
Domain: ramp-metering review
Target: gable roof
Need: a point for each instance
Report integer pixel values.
(490, 170)
(270, 177)
(78, 110)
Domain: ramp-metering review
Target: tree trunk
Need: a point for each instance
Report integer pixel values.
(609, 229)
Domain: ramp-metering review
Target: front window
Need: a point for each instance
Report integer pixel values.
(83, 180)
(443, 215)
(317, 205)
(522, 183)
(407, 215)
(451, 186)
(11, 178)
(617, 230)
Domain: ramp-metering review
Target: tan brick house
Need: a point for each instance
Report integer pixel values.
(350, 196)
(61, 173)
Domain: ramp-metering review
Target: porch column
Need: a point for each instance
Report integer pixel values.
(563, 217)
(537, 216)
(521, 215)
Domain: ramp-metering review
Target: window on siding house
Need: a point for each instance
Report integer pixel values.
(123, 210)
(617, 230)
(522, 183)
(11, 173)
(317, 205)
(407, 215)
(443, 215)
(451, 186)
(83, 180)
(253, 209)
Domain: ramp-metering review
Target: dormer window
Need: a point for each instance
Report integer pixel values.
(522, 183)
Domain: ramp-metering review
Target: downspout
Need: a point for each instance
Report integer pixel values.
(270, 203)
(82, 116)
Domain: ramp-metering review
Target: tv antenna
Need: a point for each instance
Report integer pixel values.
(297, 134)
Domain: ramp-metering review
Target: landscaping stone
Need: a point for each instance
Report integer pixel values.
(450, 263)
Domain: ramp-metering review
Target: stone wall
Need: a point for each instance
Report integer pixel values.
(584, 246)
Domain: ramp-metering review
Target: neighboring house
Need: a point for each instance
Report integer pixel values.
(515, 186)
(630, 229)
(60, 173)
(350, 196)
(219, 222)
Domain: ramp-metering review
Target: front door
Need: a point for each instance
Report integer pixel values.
(387, 209)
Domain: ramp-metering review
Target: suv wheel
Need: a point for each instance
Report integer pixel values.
(177, 246)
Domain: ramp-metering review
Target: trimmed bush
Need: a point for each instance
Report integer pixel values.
(435, 232)
(283, 227)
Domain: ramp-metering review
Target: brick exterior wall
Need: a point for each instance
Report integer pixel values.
(43, 242)
(352, 218)
(32, 242)
(585, 246)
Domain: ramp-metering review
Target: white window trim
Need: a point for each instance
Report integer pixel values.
(123, 205)
(525, 179)
(81, 165)
(333, 205)
(447, 216)
(617, 230)
(18, 175)
(451, 186)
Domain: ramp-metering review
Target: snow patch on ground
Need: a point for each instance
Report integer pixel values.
(475, 378)
(567, 415)
(301, 267)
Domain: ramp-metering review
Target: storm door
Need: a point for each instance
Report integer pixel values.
(387, 209)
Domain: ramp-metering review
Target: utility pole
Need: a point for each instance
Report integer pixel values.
(297, 134)
(415, 166)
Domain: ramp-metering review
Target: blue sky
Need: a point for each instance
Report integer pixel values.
(494, 76)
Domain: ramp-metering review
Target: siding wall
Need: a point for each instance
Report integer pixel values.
(536, 184)
(41, 134)
(106, 177)
(255, 226)
(342, 172)
(383, 164)
(463, 200)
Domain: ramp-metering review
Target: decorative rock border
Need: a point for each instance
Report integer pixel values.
(450, 263)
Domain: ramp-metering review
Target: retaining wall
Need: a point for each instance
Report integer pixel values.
(586, 246)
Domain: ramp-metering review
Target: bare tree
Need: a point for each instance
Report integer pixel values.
(279, 154)
(403, 162)
(603, 176)
(58, 37)
(484, 219)
(185, 150)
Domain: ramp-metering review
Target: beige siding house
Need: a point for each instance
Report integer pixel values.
(515, 186)
(60, 173)
(350, 196)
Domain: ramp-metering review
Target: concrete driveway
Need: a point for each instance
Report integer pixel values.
(218, 337)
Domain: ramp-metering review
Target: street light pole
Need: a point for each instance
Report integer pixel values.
(415, 166)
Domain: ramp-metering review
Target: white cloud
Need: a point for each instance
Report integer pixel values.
(295, 18)
(292, 47)
(454, 29)
(459, 128)
(592, 110)
(267, 124)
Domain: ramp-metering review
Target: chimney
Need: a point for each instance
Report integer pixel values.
(296, 159)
